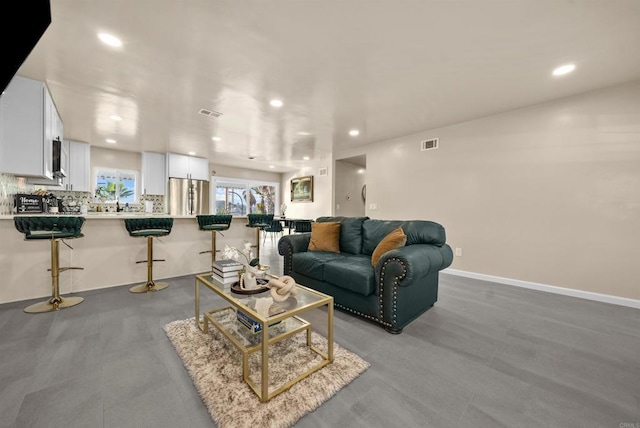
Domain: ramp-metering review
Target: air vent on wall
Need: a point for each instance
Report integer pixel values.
(209, 112)
(429, 144)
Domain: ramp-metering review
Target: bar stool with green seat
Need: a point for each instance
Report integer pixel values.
(259, 222)
(215, 223)
(55, 229)
(149, 228)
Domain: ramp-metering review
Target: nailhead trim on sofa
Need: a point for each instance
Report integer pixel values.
(395, 288)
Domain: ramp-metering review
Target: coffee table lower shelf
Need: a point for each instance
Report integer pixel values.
(224, 319)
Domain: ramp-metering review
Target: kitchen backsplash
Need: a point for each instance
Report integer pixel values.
(71, 201)
(158, 202)
(9, 187)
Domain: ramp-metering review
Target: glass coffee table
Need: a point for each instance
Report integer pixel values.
(254, 322)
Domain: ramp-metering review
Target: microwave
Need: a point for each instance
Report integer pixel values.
(58, 170)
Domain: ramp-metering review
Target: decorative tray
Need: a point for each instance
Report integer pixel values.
(235, 287)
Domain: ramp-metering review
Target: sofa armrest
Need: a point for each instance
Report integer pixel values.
(414, 261)
(290, 244)
(297, 243)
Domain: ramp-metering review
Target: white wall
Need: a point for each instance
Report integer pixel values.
(548, 194)
(322, 194)
(119, 159)
(248, 174)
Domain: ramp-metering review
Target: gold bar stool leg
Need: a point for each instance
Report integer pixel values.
(56, 302)
(259, 222)
(214, 223)
(258, 243)
(213, 246)
(151, 285)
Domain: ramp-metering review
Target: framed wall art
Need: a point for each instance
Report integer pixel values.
(302, 189)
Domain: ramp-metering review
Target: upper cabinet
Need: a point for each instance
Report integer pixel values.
(78, 171)
(154, 178)
(181, 166)
(29, 122)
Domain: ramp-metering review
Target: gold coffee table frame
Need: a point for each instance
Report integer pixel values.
(248, 343)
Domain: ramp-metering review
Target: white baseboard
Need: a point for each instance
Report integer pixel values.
(605, 298)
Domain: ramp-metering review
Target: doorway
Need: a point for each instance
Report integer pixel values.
(351, 186)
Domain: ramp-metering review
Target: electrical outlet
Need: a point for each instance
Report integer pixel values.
(458, 252)
(373, 206)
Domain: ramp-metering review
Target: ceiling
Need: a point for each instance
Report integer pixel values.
(385, 67)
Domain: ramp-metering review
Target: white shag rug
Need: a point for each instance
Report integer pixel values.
(215, 366)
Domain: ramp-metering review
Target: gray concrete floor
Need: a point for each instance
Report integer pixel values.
(486, 355)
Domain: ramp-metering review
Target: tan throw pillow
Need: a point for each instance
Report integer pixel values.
(325, 236)
(393, 240)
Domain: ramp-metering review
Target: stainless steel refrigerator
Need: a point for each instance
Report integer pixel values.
(188, 197)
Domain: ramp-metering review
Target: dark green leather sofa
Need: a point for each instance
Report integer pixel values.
(403, 284)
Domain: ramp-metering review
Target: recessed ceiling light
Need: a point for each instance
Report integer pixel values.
(361, 171)
(304, 133)
(354, 132)
(216, 138)
(564, 69)
(109, 39)
(115, 117)
(110, 141)
(305, 158)
(271, 166)
(276, 103)
(191, 153)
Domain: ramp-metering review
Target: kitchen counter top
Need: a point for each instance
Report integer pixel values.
(111, 216)
(102, 216)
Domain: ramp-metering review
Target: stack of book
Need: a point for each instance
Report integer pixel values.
(252, 325)
(225, 271)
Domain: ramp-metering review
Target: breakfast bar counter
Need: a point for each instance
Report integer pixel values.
(107, 253)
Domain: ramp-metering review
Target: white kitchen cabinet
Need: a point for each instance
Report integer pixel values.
(177, 165)
(199, 168)
(29, 122)
(154, 177)
(78, 172)
(181, 166)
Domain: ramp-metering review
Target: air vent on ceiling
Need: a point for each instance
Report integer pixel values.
(209, 112)
(429, 144)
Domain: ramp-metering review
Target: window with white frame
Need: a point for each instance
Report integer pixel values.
(241, 197)
(113, 185)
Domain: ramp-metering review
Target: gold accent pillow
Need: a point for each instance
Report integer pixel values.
(393, 240)
(325, 236)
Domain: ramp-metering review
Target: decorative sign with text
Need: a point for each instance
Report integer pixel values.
(29, 204)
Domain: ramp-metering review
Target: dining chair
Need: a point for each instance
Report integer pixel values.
(273, 229)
